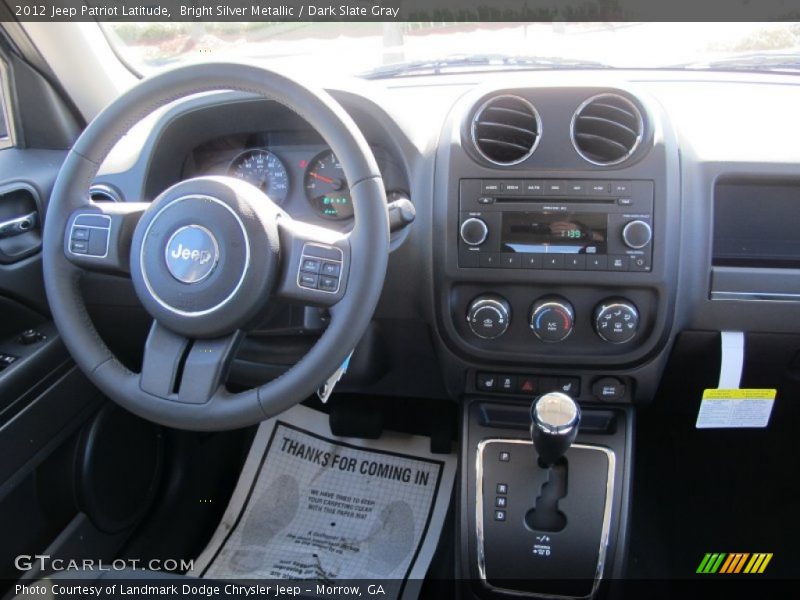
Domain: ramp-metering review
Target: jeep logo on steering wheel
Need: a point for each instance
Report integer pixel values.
(191, 254)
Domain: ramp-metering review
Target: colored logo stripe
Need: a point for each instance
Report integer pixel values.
(735, 562)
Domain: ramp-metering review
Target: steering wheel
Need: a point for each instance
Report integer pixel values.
(206, 256)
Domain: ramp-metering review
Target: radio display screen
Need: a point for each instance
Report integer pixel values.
(562, 232)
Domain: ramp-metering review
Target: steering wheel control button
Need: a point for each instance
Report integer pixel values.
(609, 389)
(324, 260)
(331, 269)
(552, 319)
(192, 254)
(89, 235)
(309, 280)
(616, 321)
(80, 233)
(474, 231)
(488, 316)
(637, 234)
(328, 284)
(310, 265)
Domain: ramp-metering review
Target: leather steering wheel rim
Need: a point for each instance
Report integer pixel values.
(350, 316)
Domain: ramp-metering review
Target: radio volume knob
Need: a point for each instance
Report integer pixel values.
(637, 234)
(474, 231)
(488, 316)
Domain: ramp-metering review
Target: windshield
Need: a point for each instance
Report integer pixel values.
(398, 49)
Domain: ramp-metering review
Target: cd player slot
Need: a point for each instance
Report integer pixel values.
(554, 200)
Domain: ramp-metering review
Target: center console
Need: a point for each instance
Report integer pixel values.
(556, 229)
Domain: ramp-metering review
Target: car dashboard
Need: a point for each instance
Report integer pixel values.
(565, 228)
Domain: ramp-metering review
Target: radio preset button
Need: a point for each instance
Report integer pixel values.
(553, 261)
(575, 262)
(531, 261)
(597, 262)
(489, 259)
(552, 319)
(474, 231)
(510, 261)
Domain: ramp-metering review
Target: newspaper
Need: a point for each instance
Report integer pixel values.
(310, 506)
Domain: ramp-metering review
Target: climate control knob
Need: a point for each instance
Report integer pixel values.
(637, 234)
(616, 321)
(474, 231)
(488, 316)
(552, 319)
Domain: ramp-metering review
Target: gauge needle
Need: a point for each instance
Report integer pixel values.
(322, 178)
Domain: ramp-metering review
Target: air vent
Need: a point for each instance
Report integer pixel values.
(506, 130)
(104, 193)
(607, 129)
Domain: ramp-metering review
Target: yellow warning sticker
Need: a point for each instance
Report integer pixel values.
(734, 408)
(752, 394)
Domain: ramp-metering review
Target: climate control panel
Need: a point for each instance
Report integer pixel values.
(552, 319)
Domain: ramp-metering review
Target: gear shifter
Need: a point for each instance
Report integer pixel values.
(554, 425)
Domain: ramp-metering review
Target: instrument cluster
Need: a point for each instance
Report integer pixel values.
(307, 180)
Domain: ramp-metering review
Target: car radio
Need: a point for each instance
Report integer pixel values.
(577, 225)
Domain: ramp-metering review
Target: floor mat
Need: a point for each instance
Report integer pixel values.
(310, 506)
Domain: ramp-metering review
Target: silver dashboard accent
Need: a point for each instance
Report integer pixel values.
(196, 264)
(636, 143)
(604, 534)
(76, 224)
(555, 413)
(756, 296)
(19, 225)
(534, 112)
(108, 193)
(340, 260)
(10, 139)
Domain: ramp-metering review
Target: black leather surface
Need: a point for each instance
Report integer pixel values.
(350, 317)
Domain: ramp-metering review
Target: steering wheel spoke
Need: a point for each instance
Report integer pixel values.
(98, 237)
(183, 370)
(315, 263)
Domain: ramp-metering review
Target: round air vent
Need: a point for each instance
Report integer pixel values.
(103, 193)
(607, 129)
(506, 130)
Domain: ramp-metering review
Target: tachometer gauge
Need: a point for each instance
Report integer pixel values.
(326, 187)
(264, 170)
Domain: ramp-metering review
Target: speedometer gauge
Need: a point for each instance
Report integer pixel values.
(264, 170)
(326, 187)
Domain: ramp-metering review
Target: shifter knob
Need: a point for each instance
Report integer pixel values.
(554, 426)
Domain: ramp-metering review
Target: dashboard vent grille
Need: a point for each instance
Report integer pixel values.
(104, 193)
(506, 130)
(607, 129)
